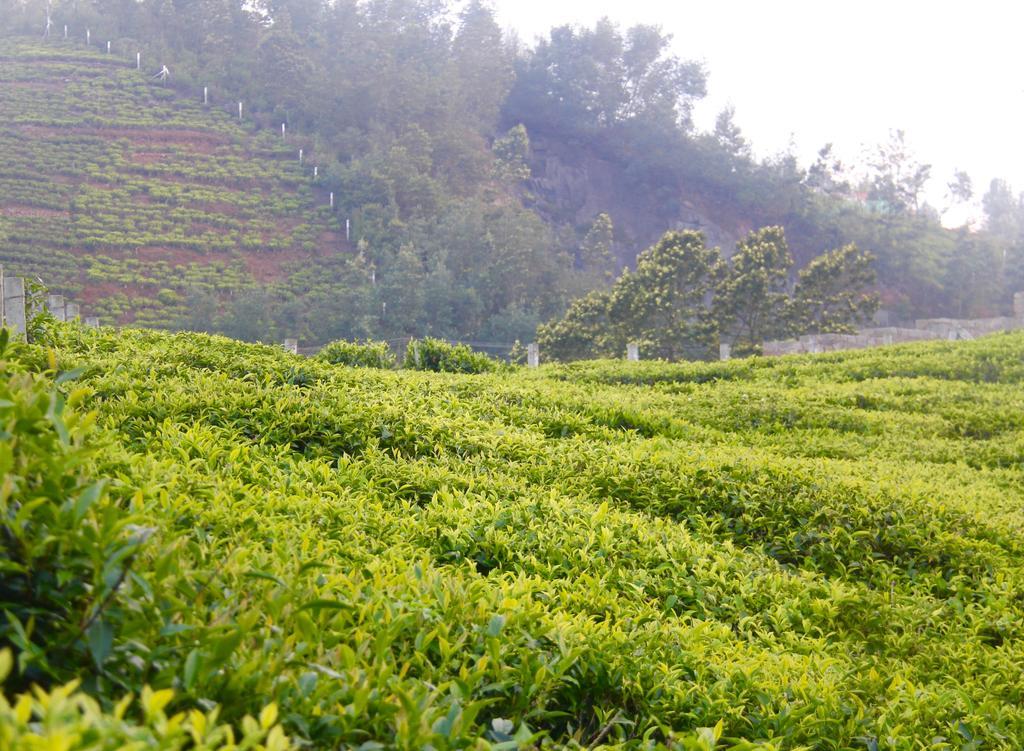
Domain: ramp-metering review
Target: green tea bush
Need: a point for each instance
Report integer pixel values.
(440, 356)
(67, 718)
(366, 354)
(638, 556)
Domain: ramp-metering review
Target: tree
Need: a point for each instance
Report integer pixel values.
(828, 174)
(752, 303)
(584, 331)
(664, 303)
(512, 154)
(581, 81)
(1004, 212)
(729, 136)
(897, 178)
(831, 295)
(596, 250)
(483, 63)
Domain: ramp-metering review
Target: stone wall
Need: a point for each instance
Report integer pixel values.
(927, 328)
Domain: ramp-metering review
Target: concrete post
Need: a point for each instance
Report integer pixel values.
(138, 61)
(282, 130)
(72, 312)
(724, 351)
(14, 305)
(57, 307)
(239, 110)
(533, 355)
(65, 31)
(88, 37)
(1018, 305)
(300, 156)
(348, 231)
(92, 322)
(316, 172)
(332, 199)
(206, 95)
(292, 346)
(108, 48)
(633, 352)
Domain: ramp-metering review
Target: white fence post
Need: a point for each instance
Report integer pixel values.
(633, 352)
(14, 304)
(138, 61)
(57, 306)
(724, 351)
(533, 355)
(206, 95)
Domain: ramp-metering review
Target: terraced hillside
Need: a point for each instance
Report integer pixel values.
(792, 553)
(130, 197)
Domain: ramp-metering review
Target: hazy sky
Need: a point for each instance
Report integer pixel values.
(950, 74)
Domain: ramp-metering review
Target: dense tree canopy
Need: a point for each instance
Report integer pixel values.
(422, 113)
(683, 300)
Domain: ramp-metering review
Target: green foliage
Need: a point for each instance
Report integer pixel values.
(683, 297)
(366, 354)
(596, 250)
(752, 303)
(829, 295)
(770, 553)
(439, 356)
(67, 718)
(663, 303)
(585, 331)
(512, 154)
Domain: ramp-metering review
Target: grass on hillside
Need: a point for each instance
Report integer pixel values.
(115, 189)
(806, 552)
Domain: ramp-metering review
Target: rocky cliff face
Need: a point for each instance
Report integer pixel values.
(571, 185)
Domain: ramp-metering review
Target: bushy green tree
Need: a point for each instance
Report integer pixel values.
(752, 303)
(596, 249)
(831, 293)
(585, 331)
(663, 304)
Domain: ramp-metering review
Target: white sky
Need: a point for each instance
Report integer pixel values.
(950, 74)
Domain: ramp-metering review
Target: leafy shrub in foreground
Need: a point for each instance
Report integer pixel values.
(440, 356)
(66, 718)
(367, 354)
(65, 547)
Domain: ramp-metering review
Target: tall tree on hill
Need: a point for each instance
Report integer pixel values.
(580, 81)
(752, 303)
(483, 65)
(596, 249)
(897, 178)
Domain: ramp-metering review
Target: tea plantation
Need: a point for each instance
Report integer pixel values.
(128, 196)
(229, 546)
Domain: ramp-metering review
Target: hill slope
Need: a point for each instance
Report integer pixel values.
(118, 191)
(814, 552)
